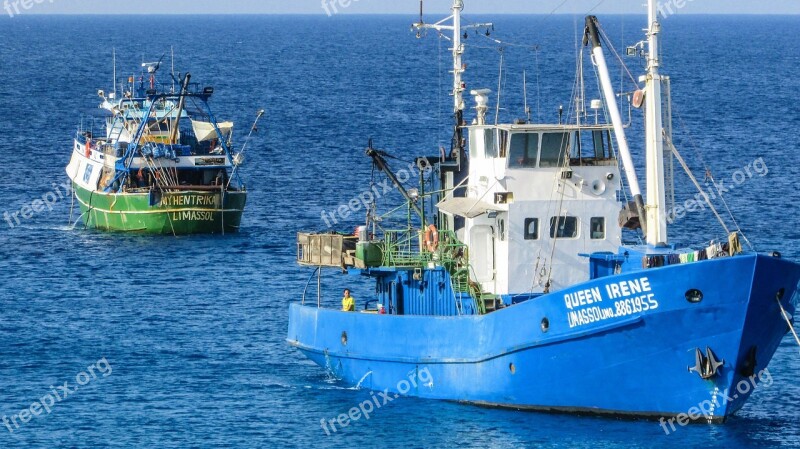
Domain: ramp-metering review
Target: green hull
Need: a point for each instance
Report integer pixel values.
(181, 213)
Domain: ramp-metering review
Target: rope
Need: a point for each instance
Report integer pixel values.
(440, 93)
(696, 184)
(538, 89)
(616, 55)
(169, 218)
(710, 176)
(556, 178)
(253, 129)
(548, 264)
(614, 144)
(694, 148)
(72, 228)
(72, 206)
(788, 319)
(499, 86)
(596, 6)
(389, 156)
(89, 211)
(534, 47)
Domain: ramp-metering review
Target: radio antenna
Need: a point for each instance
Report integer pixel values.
(172, 54)
(114, 61)
(525, 94)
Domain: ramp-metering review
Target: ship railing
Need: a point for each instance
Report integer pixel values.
(169, 89)
(408, 249)
(403, 249)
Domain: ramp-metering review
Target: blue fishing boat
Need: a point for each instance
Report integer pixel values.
(508, 282)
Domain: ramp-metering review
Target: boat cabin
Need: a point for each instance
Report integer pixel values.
(537, 196)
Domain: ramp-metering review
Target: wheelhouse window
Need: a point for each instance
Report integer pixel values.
(531, 229)
(598, 228)
(490, 143)
(564, 227)
(598, 138)
(524, 150)
(555, 149)
(593, 147)
(503, 142)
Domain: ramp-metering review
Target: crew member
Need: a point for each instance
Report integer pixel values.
(348, 303)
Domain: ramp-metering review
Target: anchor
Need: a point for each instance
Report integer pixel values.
(707, 366)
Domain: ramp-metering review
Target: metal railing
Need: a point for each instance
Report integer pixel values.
(407, 249)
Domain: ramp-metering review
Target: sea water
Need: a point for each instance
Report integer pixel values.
(170, 342)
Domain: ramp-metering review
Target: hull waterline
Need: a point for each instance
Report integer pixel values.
(181, 213)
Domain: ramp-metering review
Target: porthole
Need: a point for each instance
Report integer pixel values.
(512, 368)
(545, 325)
(694, 296)
(344, 338)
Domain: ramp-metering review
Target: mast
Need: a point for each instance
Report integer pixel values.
(458, 52)
(656, 198)
(458, 64)
(175, 127)
(456, 161)
(593, 36)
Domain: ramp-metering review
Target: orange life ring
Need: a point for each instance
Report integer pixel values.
(432, 238)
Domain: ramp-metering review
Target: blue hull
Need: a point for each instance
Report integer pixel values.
(620, 345)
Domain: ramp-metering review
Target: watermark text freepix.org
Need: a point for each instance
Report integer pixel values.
(670, 7)
(706, 408)
(376, 192)
(48, 200)
(331, 7)
(16, 7)
(376, 401)
(718, 189)
(56, 395)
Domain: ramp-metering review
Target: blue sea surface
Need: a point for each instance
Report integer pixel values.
(185, 336)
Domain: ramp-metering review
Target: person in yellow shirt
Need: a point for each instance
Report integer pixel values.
(348, 303)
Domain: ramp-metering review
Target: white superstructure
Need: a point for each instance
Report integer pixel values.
(537, 197)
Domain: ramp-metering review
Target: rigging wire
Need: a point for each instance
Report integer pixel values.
(597, 6)
(708, 173)
(441, 88)
(788, 319)
(612, 142)
(506, 43)
(610, 45)
(556, 185)
(696, 184)
(390, 156)
(710, 176)
(499, 86)
(538, 88)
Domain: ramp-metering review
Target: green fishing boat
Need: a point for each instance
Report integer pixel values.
(162, 163)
